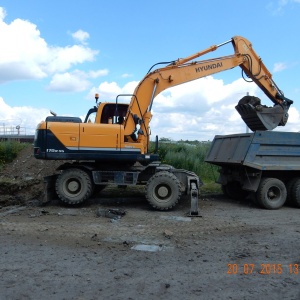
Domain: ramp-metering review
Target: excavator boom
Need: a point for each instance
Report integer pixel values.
(122, 132)
(255, 115)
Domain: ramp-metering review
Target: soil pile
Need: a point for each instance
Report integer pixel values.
(22, 180)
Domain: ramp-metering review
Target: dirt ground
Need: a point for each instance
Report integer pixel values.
(233, 250)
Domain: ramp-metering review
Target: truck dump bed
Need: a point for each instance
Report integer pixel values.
(263, 150)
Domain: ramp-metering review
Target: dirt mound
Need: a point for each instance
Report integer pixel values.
(21, 181)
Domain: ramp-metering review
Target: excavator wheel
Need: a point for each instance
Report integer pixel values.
(74, 186)
(163, 190)
(261, 117)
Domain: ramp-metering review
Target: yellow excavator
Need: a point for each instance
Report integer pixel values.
(111, 146)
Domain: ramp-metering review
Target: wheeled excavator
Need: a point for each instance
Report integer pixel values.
(113, 148)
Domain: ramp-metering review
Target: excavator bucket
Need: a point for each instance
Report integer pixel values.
(260, 117)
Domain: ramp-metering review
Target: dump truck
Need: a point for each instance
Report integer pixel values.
(262, 165)
(111, 146)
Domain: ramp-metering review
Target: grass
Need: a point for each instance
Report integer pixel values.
(9, 151)
(190, 157)
(211, 188)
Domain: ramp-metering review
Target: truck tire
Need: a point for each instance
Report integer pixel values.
(289, 189)
(224, 190)
(271, 193)
(295, 193)
(74, 186)
(163, 190)
(234, 190)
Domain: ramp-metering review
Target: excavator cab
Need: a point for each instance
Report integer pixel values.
(262, 117)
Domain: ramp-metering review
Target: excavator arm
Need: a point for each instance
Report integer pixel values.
(255, 115)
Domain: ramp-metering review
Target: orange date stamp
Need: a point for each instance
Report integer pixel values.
(264, 269)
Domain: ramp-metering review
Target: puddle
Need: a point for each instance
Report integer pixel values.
(175, 218)
(69, 212)
(149, 248)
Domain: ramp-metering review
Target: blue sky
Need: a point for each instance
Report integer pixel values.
(55, 55)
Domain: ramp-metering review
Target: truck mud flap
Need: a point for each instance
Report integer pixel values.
(259, 117)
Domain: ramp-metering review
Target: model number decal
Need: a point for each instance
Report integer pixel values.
(55, 150)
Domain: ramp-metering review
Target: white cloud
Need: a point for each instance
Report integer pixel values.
(294, 116)
(199, 95)
(25, 116)
(278, 67)
(126, 75)
(26, 55)
(277, 7)
(108, 91)
(2, 13)
(98, 73)
(81, 36)
(76, 81)
(68, 82)
(60, 59)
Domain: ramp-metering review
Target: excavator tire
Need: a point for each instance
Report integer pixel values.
(163, 190)
(74, 186)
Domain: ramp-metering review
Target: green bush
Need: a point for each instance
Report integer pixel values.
(189, 156)
(9, 151)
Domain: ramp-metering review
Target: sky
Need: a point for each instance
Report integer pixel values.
(55, 55)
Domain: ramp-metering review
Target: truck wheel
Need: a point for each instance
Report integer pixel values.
(289, 188)
(163, 190)
(224, 190)
(234, 190)
(73, 186)
(271, 193)
(295, 193)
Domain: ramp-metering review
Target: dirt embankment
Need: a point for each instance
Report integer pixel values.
(22, 180)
